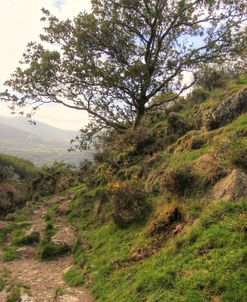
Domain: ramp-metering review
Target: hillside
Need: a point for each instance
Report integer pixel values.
(15, 176)
(40, 129)
(40, 143)
(160, 217)
(10, 136)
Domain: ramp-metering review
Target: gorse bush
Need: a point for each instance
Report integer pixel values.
(179, 180)
(127, 146)
(85, 169)
(129, 202)
(56, 178)
(141, 139)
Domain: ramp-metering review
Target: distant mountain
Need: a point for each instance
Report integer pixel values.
(40, 128)
(41, 143)
(10, 135)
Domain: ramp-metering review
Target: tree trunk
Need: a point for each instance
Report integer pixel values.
(139, 118)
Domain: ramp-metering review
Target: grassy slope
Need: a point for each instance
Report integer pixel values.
(207, 261)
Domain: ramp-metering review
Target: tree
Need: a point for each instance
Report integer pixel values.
(112, 61)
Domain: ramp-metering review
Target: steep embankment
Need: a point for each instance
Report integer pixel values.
(163, 215)
(189, 166)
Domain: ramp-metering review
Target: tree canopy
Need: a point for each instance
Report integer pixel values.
(113, 60)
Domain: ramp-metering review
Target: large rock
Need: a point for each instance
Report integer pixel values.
(64, 235)
(178, 124)
(208, 166)
(227, 111)
(231, 188)
(177, 127)
(26, 298)
(26, 252)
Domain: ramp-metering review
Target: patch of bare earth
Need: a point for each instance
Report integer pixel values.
(167, 225)
(44, 278)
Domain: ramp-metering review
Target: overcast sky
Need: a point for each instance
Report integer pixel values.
(19, 24)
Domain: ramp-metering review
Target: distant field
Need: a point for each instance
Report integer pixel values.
(41, 157)
(42, 144)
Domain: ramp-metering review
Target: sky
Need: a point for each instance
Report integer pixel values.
(19, 24)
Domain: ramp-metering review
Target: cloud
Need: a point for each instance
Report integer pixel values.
(58, 3)
(19, 24)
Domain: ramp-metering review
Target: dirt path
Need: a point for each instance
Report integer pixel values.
(45, 278)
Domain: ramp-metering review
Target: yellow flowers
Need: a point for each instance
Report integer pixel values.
(135, 178)
(115, 186)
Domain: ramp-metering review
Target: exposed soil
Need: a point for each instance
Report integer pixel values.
(157, 244)
(44, 278)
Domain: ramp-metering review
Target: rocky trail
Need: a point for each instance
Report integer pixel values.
(44, 279)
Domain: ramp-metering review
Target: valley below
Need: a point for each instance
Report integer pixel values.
(40, 143)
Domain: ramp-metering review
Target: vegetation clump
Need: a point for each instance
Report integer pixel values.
(129, 202)
(167, 219)
(179, 180)
(16, 291)
(50, 250)
(2, 284)
(237, 153)
(74, 277)
(9, 254)
(28, 239)
(54, 179)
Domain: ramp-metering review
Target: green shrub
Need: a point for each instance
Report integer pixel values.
(14, 295)
(129, 202)
(168, 217)
(179, 180)
(197, 143)
(58, 292)
(56, 178)
(4, 233)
